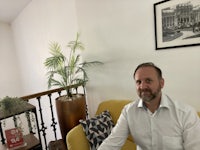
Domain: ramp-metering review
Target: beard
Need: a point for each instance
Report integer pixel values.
(147, 95)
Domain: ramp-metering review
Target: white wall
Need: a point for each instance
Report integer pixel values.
(40, 23)
(9, 79)
(121, 33)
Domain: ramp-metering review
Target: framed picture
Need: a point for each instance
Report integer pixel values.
(177, 23)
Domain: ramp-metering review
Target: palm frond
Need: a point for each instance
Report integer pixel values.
(86, 64)
(79, 81)
(57, 59)
(55, 82)
(75, 45)
(75, 61)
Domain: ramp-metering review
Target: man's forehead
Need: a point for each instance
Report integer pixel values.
(145, 72)
(146, 69)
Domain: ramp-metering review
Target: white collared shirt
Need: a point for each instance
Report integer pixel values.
(173, 126)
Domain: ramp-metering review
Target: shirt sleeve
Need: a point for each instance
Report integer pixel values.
(118, 135)
(191, 133)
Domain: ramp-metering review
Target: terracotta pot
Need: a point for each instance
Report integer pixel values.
(69, 112)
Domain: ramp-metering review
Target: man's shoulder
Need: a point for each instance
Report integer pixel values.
(180, 106)
(132, 106)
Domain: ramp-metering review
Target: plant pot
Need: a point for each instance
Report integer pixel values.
(70, 111)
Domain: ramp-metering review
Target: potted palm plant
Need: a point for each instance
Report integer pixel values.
(64, 72)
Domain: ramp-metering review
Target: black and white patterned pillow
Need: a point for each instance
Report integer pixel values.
(97, 128)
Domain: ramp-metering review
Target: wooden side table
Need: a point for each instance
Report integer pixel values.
(57, 145)
(32, 141)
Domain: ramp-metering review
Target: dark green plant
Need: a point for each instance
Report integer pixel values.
(10, 105)
(64, 71)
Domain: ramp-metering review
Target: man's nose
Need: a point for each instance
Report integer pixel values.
(143, 85)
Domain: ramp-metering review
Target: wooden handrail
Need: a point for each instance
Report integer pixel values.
(27, 97)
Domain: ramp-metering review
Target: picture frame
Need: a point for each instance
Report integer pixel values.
(177, 23)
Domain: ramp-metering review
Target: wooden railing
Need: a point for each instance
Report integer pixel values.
(46, 97)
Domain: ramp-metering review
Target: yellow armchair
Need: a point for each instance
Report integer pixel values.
(76, 139)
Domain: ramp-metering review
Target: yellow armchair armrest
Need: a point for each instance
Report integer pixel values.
(76, 139)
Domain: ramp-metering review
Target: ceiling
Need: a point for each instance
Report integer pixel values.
(9, 9)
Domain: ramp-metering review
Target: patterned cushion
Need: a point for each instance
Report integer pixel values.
(97, 128)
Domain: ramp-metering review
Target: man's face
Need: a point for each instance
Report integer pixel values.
(148, 84)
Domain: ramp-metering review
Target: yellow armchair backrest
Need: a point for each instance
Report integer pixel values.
(114, 106)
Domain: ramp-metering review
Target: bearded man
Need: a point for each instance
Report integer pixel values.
(155, 121)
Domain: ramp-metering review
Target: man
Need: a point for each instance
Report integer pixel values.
(155, 121)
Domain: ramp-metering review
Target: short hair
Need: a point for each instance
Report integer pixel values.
(149, 64)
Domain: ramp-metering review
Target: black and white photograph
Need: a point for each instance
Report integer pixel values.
(177, 23)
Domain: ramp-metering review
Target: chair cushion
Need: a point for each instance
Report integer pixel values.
(97, 128)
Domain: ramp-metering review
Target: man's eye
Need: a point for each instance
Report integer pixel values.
(138, 82)
(148, 80)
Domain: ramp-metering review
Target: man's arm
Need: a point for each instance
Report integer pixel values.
(191, 134)
(118, 135)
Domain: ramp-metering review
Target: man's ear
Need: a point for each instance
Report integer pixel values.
(162, 82)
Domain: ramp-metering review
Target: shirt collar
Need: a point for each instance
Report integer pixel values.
(164, 102)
